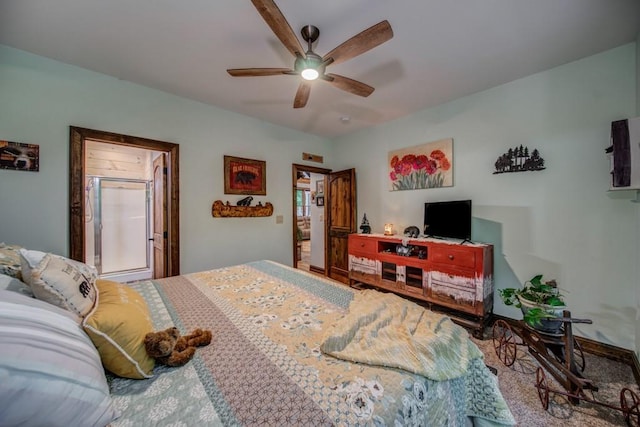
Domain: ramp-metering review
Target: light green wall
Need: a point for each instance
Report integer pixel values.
(40, 99)
(638, 198)
(560, 221)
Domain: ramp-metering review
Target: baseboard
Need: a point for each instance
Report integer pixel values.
(599, 349)
(612, 352)
(315, 269)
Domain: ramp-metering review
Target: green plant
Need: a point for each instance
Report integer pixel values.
(299, 234)
(544, 294)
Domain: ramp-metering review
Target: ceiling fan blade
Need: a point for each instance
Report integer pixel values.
(257, 72)
(352, 86)
(302, 95)
(361, 42)
(279, 25)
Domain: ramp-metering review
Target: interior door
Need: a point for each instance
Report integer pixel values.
(159, 217)
(341, 221)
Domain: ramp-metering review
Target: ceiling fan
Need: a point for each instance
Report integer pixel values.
(309, 65)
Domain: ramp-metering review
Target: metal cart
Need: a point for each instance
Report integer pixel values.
(561, 356)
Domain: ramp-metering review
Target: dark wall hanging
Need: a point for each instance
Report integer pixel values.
(518, 160)
(245, 176)
(18, 156)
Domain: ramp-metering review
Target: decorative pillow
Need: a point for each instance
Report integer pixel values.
(50, 371)
(117, 326)
(60, 281)
(12, 284)
(10, 260)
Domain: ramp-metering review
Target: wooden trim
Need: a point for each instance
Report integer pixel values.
(599, 349)
(315, 269)
(611, 352)
(77, 139)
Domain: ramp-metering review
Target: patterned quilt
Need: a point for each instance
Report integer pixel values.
(387, 330)
(264, 365)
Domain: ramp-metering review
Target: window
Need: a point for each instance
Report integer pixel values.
(303, 202)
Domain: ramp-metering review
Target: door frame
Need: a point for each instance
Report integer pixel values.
(77, 170)
(295, 168)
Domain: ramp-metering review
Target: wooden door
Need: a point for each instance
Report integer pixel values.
(159, 217)
(341, 221)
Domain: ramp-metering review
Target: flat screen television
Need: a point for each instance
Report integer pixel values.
(448, 219)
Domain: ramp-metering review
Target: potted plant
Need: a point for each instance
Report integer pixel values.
(539, 301)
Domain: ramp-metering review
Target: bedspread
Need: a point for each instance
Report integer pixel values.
(387, 330)
(264, 364)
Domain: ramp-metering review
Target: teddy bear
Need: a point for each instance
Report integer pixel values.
(172, 349)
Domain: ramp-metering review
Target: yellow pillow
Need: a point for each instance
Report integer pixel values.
(117, 326)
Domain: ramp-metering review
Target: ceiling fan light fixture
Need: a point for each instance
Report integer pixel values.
(310, 74)
(310, 67)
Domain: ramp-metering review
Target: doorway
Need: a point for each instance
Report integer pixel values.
(117, 227)
(126, 189)
(309, 232)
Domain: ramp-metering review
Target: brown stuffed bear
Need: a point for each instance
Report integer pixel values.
(170, 348)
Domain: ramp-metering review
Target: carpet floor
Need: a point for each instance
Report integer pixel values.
(518, 386)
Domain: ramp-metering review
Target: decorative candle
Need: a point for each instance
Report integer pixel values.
(388, 229)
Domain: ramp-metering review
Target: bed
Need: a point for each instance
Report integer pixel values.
(265, 365)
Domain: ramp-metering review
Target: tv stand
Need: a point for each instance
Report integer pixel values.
(447, 276)
(444, 238)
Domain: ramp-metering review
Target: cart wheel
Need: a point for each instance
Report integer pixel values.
(504, 342)
(578, 356)
(543, 390)
(629, 405)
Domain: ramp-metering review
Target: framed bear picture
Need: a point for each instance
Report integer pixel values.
(245, 176)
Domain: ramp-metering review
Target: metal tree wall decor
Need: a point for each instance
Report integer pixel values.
(518, 160)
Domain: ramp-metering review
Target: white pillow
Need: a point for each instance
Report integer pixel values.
(50, 372)
(60, 281)
(10, 260)
(12, 284)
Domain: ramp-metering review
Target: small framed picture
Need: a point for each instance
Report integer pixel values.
(19, 156)
(320, 187)
(319, 200)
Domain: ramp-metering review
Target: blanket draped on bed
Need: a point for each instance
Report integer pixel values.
(386, 330)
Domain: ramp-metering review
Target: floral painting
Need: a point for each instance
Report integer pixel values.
(424, 166)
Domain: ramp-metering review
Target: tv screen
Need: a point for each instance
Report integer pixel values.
(448, 219)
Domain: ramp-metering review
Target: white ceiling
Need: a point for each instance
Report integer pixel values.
(441, 49)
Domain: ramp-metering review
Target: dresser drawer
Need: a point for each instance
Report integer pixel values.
(460, 298)
(364, 265)
(453, 256)
(458, 278)
(363, 245)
